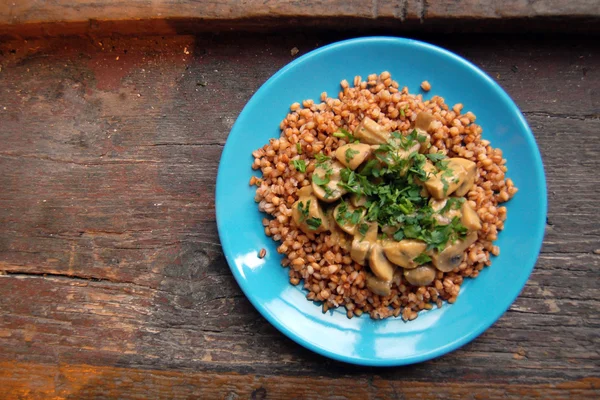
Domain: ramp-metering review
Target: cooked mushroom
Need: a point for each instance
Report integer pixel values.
(353, 154)
(470, 219)
(358, 201)
(420, 276)
(453, 254)
(380, 265)
(347, 224)
(309, 216)
(371, 132)
(447, 216)
(445, 182)
(362, 244)
(403, 253)
(378, 286)
(329, 173)
(470, 170)
(422, 123)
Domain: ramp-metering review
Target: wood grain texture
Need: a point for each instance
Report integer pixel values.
(41, 18)
(112, 279)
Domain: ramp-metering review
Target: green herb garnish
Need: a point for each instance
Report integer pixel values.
(313, 223)
(344, 134)
(362, 229)
(422, 259)
(321, 158)
(299, 165)
(298, 148)
(350, 154)
(303, 210)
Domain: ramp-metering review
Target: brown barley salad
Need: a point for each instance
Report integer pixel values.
(370, 160)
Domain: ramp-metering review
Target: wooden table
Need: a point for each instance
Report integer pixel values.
(112, 280)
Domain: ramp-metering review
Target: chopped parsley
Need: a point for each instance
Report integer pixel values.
(321, 158)
(299, 165)
(321, 180)
(350, 154)
(344, 134)
(363, 228)
(389, 182)
(435, 157)
(422, 258)
(299, 148)
(303, 210)
(313, 223)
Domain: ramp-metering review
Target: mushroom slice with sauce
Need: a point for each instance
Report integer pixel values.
(379, 286)
(353, 154)
(404, 252)
(325, 179)
(380, 265)
(370, 132)
(470, 170)
(451, 257)
(309, 216)
(452, 178)
(469, 218)
(347, 217)
(448, 215)
(422, 123)
(357, 200)
(361, 244)
(420, 276)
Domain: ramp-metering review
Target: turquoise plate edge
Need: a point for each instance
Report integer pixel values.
(372, 336)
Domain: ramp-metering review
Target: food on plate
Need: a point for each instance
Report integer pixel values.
(382, 202)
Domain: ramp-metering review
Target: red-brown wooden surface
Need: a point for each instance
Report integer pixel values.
(113, 283)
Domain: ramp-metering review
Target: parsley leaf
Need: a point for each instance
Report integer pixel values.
(299, 165)
(303, 210)
(313, 223)
(362, 229)
(320, 180)
(422, 258)
(350, 154)
(344, 134)
(321, 158)
(435, 157)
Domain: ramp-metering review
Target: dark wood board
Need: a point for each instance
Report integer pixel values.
(113, 280)
(40, 18)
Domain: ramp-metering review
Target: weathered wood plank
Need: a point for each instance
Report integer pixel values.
(85, 381)
(40, 18)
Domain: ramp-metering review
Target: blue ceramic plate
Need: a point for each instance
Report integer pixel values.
(361, 340)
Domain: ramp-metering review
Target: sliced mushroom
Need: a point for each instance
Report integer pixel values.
(443, 183)
(330, 191)
(422, 124)
(470, 219)
(309, 216)
(378, 286)
(362, 244)
(380, 265)
(304, 191)
(420, 276)
(371, 132)
(346, 223)
(358, 201)
(403, 253)
(423, 121)
(469, 180)
(448, 215)
(451, 257)
(353, 154)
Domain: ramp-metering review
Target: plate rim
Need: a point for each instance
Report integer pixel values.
(540, 178)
